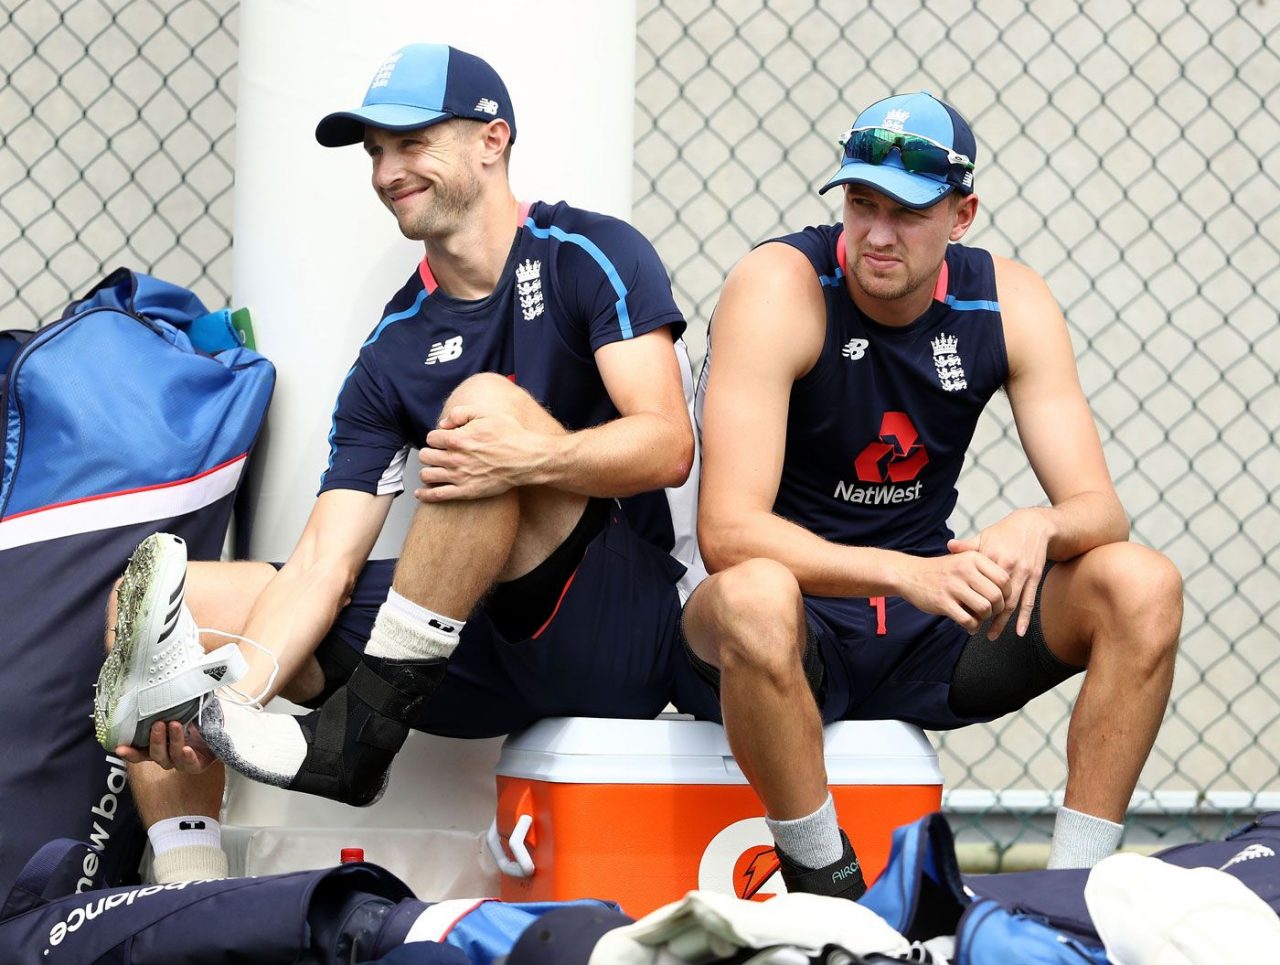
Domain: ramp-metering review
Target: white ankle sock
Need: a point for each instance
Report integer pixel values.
(405, 631)
(184, 830)
(813, 840)
(1082, 840)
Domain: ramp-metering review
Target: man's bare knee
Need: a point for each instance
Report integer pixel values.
(750, 615)
(491, 393)
(218, 594)
(109, 637)
(1140, 592)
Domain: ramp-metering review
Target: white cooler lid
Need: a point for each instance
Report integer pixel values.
(589, 750)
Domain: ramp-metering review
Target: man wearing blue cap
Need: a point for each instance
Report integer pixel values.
(536, 352)
(848, 367)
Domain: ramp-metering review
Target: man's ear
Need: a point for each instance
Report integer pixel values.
(966, 209)
(495, 140)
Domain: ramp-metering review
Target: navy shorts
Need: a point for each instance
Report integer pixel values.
(888, 660)
(608, 649)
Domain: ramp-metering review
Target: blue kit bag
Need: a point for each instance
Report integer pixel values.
(134, 412)
(922, 895)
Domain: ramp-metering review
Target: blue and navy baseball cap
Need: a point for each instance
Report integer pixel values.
(421, 85)
(924, 115)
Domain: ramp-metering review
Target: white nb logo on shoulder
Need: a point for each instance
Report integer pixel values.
(445, 351)
(854, 349)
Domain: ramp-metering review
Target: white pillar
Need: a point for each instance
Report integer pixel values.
(316, 257)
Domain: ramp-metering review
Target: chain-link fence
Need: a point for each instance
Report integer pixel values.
(1122, 149)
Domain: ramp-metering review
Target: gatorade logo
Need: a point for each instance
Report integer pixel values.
(740, 861)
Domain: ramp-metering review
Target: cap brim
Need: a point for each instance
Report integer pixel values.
(910, 190)
(347, 127)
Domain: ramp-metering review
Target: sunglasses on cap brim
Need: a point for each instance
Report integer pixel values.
(919, 154)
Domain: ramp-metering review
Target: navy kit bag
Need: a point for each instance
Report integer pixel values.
(134, 412)
(334, 916)
(1036, 916)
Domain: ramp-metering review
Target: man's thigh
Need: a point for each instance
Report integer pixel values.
(594, 635)
(943, 677)
(609, 639)
(221, 594)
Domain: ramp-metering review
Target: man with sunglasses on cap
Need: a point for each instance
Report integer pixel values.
(847, 369)
(536, 352)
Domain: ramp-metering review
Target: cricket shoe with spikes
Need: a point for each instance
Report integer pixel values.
(157, 670)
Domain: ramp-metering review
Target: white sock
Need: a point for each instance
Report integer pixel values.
(405, 631)
(195, 863)
(187, 848)
(269, 748)
(813, 840)
(184, 830)
(1082, 840)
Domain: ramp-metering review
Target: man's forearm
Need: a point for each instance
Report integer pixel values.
(822, 568)
(1085, 521)
(290, 618)
(629, 455)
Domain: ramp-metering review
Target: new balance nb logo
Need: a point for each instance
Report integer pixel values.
(445, 351)
(487, 106)
(854, 349)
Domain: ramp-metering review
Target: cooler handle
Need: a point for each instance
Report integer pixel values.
(522, 866)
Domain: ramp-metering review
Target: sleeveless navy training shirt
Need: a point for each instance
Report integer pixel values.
(877, 430)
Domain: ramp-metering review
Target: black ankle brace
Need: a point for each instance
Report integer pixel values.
(840, 879)
(353, 738)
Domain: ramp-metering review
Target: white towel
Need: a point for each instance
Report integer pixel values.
(705, 925)
(1149, 912)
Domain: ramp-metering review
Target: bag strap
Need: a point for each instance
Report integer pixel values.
(52, 872)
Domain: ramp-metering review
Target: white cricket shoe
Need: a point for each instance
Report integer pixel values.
(157, 670)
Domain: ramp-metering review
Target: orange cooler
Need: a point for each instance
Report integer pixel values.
(641, 811)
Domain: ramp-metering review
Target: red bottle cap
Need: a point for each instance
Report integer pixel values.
(352, 854)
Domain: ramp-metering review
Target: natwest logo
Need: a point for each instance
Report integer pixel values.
(896, 457)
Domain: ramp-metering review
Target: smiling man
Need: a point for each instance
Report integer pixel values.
(534, 355)
(848, 367)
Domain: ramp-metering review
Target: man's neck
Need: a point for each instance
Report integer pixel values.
(468, 263)
(894, 313)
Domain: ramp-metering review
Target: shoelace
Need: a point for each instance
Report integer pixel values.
(236, 696)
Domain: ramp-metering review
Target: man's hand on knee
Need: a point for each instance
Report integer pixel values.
(1019, 544)
(173, 747)
(475, 455)
(967, 586)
